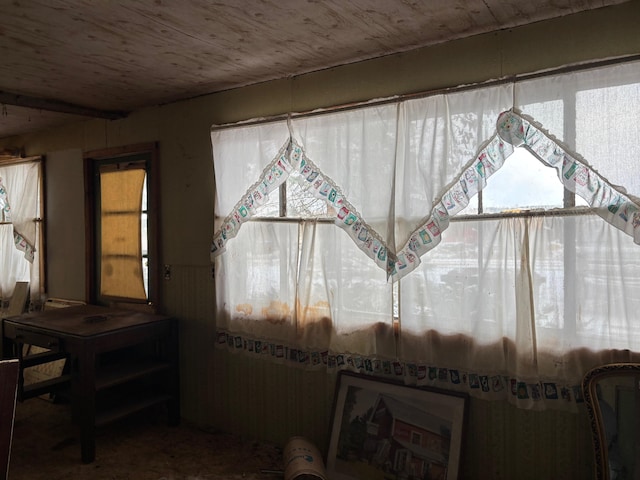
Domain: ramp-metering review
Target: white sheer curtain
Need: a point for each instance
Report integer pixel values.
(303, 287)
(393, 163)
(515, 306)
(374, 159)
(20, 202)
(528, 300)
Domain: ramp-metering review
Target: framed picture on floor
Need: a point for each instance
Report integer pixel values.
(382, 429)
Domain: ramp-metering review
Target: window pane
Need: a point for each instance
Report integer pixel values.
(551, 249)
(615, 150)
(302, 203)
(607, 280)
(522, 183)
(271, 207)
(121, 257)
(472, 208)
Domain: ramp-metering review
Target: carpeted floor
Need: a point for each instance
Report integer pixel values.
(46, 446)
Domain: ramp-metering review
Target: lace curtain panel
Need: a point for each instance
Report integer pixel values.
(20, 206)
(385, 276)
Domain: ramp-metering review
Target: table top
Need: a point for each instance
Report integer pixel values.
(84, 320)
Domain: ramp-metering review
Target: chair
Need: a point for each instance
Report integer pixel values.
(612, 397)
(8, 391)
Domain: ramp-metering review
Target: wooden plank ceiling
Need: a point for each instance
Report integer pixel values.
(62, 60)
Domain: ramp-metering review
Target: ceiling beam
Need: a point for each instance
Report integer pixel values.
(7, 98)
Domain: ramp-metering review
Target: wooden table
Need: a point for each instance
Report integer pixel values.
(117, 362)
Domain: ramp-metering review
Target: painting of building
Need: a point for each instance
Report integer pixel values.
(390, 437)
(409, 442)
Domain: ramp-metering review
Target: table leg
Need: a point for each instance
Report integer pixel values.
(19, 350)
(85, 403)
(173, 405)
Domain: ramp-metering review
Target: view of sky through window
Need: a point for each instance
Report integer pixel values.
(523, 183)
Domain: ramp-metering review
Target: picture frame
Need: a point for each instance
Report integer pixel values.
(386, 430)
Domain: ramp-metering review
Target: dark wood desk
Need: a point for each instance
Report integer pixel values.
(118, 362)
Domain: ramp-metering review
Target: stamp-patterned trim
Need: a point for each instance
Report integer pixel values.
(513, 128)
(611, 203)
(524, 392)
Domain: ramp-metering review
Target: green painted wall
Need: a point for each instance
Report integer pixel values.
(271, 402)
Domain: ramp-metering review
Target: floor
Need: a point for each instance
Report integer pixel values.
(46, 446)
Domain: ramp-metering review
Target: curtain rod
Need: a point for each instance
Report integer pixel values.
(429, 93)
(515, 213)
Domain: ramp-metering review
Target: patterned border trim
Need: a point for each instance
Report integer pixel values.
(347, 216)
(24, 246)
(609, 202)
(525, 393)
(271, 178)
(473, 178)
(292, 157)
(513, 128)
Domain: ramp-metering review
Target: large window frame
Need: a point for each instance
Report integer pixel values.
(278, 210)
(147, 154)
(551, 309)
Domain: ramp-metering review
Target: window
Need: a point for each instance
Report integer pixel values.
(22, 245)
(402, 460)
(123, 214)
(482, 243)
(524, 185)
